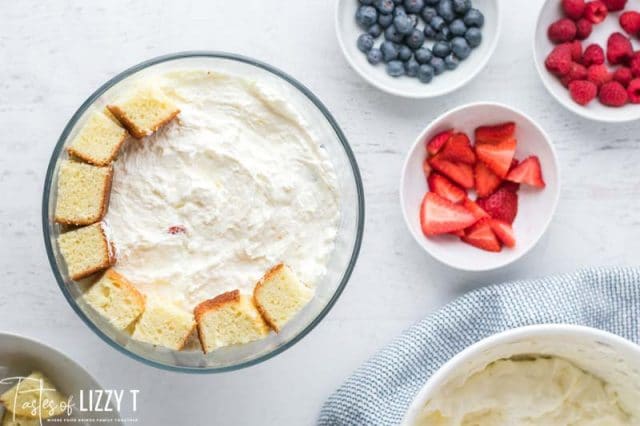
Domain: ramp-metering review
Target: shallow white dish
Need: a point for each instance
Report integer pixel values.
(607, 356)
(20, 356)
(348, 31)
(535, 207)
(550, 12)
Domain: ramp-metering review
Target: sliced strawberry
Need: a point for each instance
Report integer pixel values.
(486, 180)
(445, 188)
(437, 142)
(460, 173)
(440, 216)
(459, 233)
(458, 148)
(495, 133)
(426, 168)
(501, 205)
(528, 172)
(504, 232)
(481, 235)
(474, 208)
(497, 156)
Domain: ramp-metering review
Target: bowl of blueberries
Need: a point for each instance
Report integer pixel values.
(418, 48)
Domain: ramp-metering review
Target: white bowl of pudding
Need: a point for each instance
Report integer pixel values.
(549, 375)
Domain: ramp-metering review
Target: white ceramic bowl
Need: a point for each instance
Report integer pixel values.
(348, 31)
(551, 11)
(535, 207)
(20, 356)
(607, 356)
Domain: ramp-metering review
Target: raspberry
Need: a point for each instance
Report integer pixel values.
(613, 94)
(634, 91)
(623, 76)
(593, 55)
(583, 91)
(619, 49)
(614, 5)
(562, 31)
(595, 11)
(577, 72)
(576, 51)
(559, 60)
(599, 74)
(583, 29)
(630, 22)
(573, 8)
(634, 64)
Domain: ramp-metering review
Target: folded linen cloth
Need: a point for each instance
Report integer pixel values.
(381, 390)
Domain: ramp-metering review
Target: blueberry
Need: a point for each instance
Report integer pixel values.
(389, 51)
(395, 68)
(438, 65)
(403, 24)
(404, 53)
(399, 10)
(374, 56)
(393, 35)
(415, 40)
(365, 43)
(443, 35)
(457, 27)
(445, 10)
(385, 20)
(437, 23)
(473, 37)
(423, 55)
(366, 16)
(431, 2)
(461, 6)
(460, 47)
(451, 62)
(366, 2)
(441, 49)
(429, 32)
(428, 13)
(384, 6)
(411, 67)
(375, 30)
(397, 2)
(425, 73)
(474, 18)
(413, 6)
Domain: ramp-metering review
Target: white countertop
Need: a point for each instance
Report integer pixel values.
(54, 54)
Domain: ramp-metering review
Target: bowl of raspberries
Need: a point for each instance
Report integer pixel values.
(417, 48)
(479, 186)
(587, 53)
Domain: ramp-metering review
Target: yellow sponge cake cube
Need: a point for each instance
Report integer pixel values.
(83, 193)
(164, 324)
(280, 295)
(228, 319)
(144, 112)
(33, 397)
(85, 250)
(99, 140)
(116, 299)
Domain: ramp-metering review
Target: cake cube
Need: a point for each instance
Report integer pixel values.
(144, 112)
(98, 141)
(164, 324)
(83, 193)
(34, 397)
(85, 250)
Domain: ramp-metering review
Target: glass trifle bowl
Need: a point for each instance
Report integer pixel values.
(340, 262)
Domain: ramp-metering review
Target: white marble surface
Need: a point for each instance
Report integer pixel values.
(53, 54)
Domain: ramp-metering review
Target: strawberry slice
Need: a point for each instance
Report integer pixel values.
(440, 216)
(528, 172)
(445, 188)
(497, 133)
(458, 149)
(426, 168)
(486, 180)
(501, 205)
(475, 209)
(436, 143)
(504, 232)
(481, 235)
(460, 173)
(459, 233)
(497, 156)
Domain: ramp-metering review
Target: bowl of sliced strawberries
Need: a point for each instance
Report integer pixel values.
(480, 186)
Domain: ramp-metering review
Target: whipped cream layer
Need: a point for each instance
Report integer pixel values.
(236, 184)
(534, 392)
